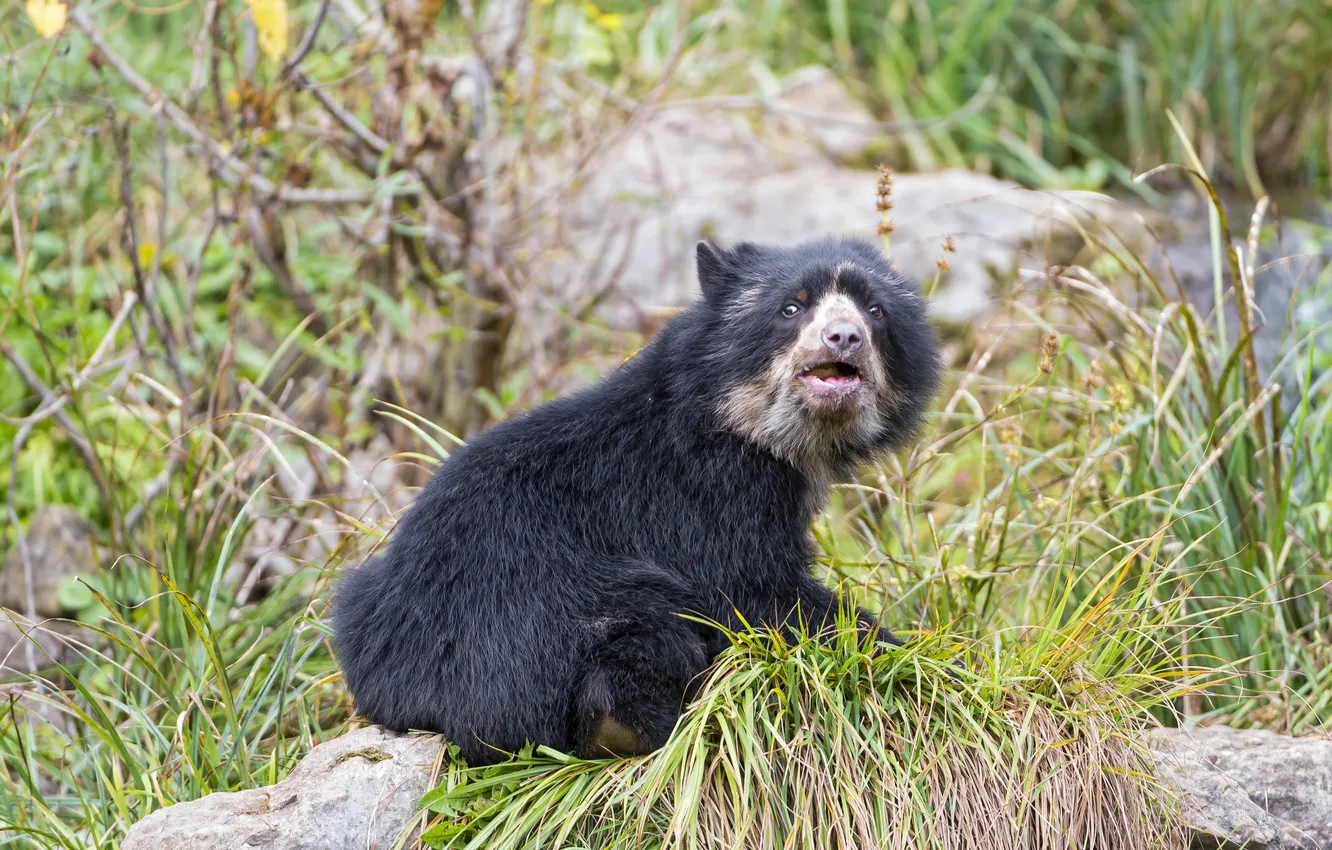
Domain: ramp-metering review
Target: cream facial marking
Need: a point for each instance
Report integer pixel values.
(813, 405)
(844, 267)
(833, 307)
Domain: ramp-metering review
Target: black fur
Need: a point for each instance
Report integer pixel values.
(534, 589)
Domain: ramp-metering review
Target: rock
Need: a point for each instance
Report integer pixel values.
(356, 792)
(47, 642)
(1250, 788)
(684, 173)
(815, 104)
(59, 547)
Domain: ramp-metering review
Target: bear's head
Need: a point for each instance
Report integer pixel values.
(821, 353)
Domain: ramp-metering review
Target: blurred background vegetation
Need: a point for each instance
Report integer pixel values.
(265, 262)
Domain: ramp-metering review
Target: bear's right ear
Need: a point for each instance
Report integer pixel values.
(714, 275)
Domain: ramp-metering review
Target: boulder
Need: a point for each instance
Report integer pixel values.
(1249, 788)
(1252, 789)
(356, 792)
(815, 106)
(687, 171)
(59, 547)
(26, 647)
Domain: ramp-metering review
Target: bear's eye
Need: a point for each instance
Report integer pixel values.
(790, 310)
(876, 311)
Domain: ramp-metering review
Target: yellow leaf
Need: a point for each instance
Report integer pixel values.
(48, 16)
(270, 20)
(610, 21)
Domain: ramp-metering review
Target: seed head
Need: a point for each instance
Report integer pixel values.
(1118, 398)
(883, 202)
(1049, 348)
(1094, 378)
(884, 188)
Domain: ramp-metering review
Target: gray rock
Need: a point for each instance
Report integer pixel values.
(1235, 789)
(684, 173)
(1250, 788)
(47, 640)
(815, 105)
(357, 792)
(59, 547)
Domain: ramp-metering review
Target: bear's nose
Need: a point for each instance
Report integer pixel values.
(843, 338)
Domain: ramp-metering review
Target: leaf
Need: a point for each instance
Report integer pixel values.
(47, 16)
(74, 595)
(270, 19)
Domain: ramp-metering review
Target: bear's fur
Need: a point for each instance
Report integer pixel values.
(534, 591)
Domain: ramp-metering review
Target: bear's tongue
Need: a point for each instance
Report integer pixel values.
(835, 374)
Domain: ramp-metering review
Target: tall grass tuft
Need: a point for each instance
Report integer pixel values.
(1228, 461)
(1029, 742)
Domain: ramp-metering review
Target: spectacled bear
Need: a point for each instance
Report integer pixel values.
(534, 591)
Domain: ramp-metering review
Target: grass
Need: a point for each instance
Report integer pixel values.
(810, 745)
(1110, 509)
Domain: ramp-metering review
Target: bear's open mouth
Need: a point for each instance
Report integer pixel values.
(833, 377)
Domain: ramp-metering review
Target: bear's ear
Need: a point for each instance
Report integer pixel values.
(714, 274)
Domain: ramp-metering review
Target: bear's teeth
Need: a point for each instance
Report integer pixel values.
(834, 372)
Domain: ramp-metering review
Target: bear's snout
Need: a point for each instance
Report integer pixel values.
(843, 338)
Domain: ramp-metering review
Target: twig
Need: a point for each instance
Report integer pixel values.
(51, 405)
(130, 238)
(10, 177)
(56, 402)
(160, 248)
(194, 271)
(232, 168)
(308, 41)
(363, 133)
(253, 220)
(29, 598)
(197, 79)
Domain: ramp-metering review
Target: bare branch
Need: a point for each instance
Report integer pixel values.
(231, 168)
(130, 239)
(308, 41)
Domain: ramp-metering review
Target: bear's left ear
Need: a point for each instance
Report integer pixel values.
(714, 274)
